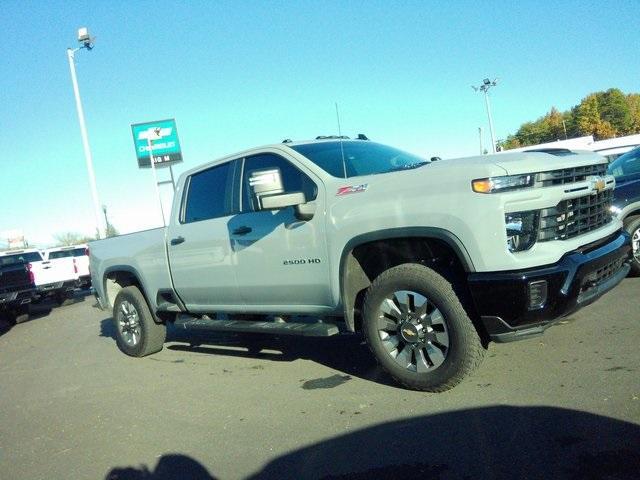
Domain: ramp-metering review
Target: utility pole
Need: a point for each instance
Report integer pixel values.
(480, 135)
(484, 88)
(87, 43)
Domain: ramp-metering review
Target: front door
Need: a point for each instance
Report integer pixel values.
(281, 261)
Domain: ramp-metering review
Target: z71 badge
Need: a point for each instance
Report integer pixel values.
(352, 189)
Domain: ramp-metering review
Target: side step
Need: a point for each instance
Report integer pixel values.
(288, 328)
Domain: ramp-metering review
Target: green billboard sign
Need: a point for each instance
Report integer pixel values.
(163, 136)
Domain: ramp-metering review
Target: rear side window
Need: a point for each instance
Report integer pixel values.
(20, 258)
(209, 194)
(60, 254)
(79, 252)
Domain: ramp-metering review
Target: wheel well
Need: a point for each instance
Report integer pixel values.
(116, 281)
(631, 216)
(368, 260)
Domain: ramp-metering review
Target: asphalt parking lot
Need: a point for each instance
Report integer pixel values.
(565, 405)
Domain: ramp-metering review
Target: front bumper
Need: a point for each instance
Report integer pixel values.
(578, 279)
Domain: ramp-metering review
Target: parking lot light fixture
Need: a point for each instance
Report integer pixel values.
(484, 88)
(86, 42)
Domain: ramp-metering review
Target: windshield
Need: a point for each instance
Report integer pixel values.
(627, 164)
(360, 158)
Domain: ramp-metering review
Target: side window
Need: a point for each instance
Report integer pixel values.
(293, 179)
(209, 194)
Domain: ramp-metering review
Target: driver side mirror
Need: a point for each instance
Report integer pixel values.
(267, 193)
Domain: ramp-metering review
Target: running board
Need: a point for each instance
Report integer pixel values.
(274, 328)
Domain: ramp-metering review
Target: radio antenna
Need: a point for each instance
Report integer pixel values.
(344, 164)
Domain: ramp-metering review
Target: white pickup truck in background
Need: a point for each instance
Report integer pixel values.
(75, 257)
(52, 278)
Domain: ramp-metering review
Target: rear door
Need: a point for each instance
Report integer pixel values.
(200, 257)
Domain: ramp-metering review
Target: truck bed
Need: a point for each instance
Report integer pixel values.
(141, 253)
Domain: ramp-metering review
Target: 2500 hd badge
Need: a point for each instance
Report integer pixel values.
(301, 261)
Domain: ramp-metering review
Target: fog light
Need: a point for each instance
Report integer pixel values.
(537, 294)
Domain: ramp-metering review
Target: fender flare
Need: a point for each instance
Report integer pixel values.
(349, 290)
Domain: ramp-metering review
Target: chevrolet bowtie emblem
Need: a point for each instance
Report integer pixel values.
(599, 184)
(408, 332)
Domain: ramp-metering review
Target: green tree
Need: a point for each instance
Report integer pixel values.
(614, 109)
(604, 114)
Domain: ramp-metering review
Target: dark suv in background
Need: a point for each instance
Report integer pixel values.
(626, 203)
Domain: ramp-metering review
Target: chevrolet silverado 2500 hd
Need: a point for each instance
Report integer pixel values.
(430, 260)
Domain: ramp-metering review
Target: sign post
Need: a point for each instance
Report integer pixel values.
(163, 153)
(150, 134)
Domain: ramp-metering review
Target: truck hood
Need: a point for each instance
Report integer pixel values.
(533, 162)
(457, 173)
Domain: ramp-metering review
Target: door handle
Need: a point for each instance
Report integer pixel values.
(242, 230)
(177, 240)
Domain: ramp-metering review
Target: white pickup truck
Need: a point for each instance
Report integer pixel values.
(52, 279)
(430, 260)
(73, 258)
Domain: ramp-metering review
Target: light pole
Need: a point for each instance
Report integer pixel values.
(87, 42)
(484, 88)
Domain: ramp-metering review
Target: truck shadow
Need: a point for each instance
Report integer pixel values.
(346, 353)
(498, 442)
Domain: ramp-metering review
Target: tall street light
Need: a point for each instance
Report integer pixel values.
(484, 88)
(86, 42)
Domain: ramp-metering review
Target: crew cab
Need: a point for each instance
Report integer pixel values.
(17, 288)
(429, 260)
(626, 203)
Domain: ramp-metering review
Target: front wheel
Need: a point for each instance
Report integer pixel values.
(418, 330)
(633, 228)
(137, 333)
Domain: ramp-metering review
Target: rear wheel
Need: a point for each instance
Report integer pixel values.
(418, 330)
(20, 314)
(63, 298)
(137, 333)
(633, 228)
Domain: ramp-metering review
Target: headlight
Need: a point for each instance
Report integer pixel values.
(522, 230)
(501, 184)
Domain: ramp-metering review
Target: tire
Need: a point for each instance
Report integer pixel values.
(19, 314)
(137, 333)
(443, 346)
(632, 226)
(62, 299)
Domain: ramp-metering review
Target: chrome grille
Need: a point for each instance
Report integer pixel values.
(574, 217)
(570, 175)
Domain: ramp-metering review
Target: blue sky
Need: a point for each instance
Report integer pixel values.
(240, 74)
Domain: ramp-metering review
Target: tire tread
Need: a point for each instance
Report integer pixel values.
(475, 351)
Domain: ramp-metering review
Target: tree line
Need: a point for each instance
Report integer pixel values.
(72, 238)
(607, 114)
